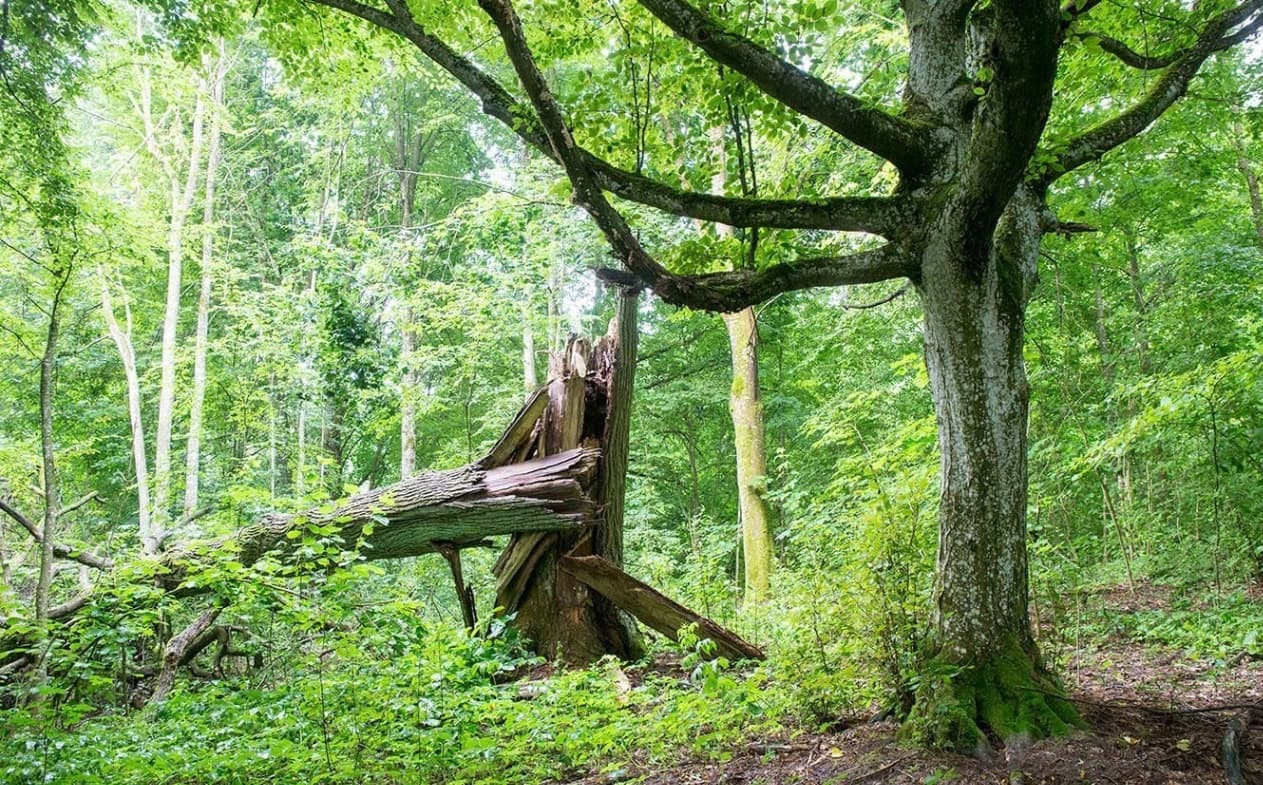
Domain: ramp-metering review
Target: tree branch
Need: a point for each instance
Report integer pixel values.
(873, 215)
(1073, 10)
(1170, 87)
(1147, 62)
(737, 289)
(903, 143)
(59, 550)
(69, 508)
(728, 291)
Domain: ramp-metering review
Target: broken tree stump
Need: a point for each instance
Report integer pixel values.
(589, 405)
(653, 608)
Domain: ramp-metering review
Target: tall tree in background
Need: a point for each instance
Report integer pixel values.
(963, 222)
(216, 68)
(745, 398)
(178, 149)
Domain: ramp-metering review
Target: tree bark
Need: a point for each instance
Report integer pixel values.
(653, 608)
(149, 538)
(974, 311)
(192, 454)
(745, 404)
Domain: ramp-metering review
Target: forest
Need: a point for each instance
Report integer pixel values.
(631, 391)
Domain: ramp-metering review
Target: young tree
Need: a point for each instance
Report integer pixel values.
(975, 167)
(217, 72)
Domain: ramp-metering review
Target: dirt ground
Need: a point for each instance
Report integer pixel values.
(1153, 717)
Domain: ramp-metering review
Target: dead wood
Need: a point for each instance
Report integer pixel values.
(652, 608)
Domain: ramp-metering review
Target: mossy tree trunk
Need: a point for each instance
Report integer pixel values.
(745, 404)
(986, 675)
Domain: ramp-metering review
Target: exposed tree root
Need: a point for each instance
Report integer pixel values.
(1010, 698)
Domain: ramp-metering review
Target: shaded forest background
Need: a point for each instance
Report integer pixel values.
(362, 250)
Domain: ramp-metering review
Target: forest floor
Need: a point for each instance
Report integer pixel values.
(1155, 717)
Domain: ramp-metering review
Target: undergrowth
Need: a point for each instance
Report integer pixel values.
(392, 705)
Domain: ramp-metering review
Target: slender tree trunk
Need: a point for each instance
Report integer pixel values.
(198, 393)
(1138, 297)
(411, 149)
(1251, 178)
(407, 406)
(530, 380)
(52, 503)
(181, 201)
(149, 538)
(52, 498)
(1102, 337)
(745, 404)
(300, 472)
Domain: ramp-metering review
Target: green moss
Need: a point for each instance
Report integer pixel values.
(1010, 696)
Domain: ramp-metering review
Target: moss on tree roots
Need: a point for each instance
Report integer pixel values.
(1010, 697)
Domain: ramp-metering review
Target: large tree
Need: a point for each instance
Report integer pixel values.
(972, 160)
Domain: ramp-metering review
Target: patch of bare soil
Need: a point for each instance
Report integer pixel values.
(1156, 718)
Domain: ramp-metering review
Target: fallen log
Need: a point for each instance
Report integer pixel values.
(554, 482)
(455, 508)
(654, 609)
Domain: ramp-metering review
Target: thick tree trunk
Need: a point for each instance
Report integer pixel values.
(460, 507)
(745, 404)
(987, 676)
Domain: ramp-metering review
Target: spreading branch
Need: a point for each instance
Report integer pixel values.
(875, 215)
(1008, 124)
(728, 291)
(60, 550)
(80, 502)
(903, 143)
(1148, 62)
(1224, 30)
(733, 290)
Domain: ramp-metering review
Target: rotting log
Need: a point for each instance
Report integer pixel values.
(455, 508)
(654, 609)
